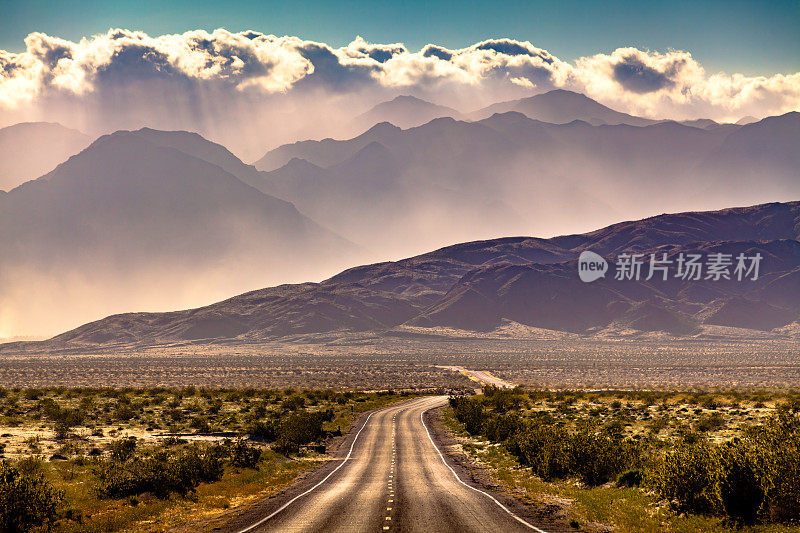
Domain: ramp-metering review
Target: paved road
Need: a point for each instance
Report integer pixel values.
(392, 478)
(481, 376)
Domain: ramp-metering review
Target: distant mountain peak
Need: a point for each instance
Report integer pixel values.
(298, 163)
(410, 98)
(561, 106)
(405, 111)
(31, 149)
(563, 93)
(373, 154)
(381, 127)
(749, 119)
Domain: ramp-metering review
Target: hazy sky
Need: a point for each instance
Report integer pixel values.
(751, 37)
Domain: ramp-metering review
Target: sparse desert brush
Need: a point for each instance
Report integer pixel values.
(690, 450)
(27, 499)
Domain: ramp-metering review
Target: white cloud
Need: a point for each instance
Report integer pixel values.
(133, 74)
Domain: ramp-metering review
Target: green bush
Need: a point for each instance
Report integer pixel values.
(160, 473)
(297, 429)
(778, 444)
(294, 402)
(741, 482)
(122, 449)
(503, 427)
(469, 411)
(688, 478)
(244, 454)
(545, 449)
(200, 424)
(27, 500)
(597, 459)
(266, 430)
(630, 478)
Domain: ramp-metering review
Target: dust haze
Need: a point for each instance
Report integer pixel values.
(134, 223)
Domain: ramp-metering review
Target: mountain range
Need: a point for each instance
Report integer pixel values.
(510, 174)
(531, 281)
(153, 220)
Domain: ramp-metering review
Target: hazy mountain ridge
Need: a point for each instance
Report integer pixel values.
(528, 280)
(29, 149)
(509, 174)
(561, 107)
(133, 221)
(404, 111)
(394, 191)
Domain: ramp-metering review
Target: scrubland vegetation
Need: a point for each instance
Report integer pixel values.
(150, 459)
(644, 461)
(407, 360)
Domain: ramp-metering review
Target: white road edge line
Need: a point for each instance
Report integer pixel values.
(287, 504)
(503, 507)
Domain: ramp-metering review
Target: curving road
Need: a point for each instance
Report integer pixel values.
(389, 476)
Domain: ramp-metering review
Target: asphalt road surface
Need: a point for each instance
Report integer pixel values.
(483, 377)
(487, 378)
(390, 477)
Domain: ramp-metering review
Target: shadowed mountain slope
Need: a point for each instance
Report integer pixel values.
(528, 280)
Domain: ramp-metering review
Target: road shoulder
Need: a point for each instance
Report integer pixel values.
(238, 518)
(480, 476)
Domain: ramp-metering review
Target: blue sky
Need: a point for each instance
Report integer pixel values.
(754, 38)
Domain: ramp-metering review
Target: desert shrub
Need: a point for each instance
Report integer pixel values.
(299, 428)
(30, 465)
(200, 424)
(545, 449)
(32, 394)
(243, 454)
(597, 459)
(657, 425)
(122, 449)
(503, 427)
(265, 430)
(741, 482)
(778, 443)
(614, 429)
(688, 478)
(173, 441)
(468, 411)
(174, 414)
(160, 473)
(215, 406)
(710, 422)
(49, 408)
(503, 400)
(27, 500)
(124, 412)
(293, 402)
(630, 478)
